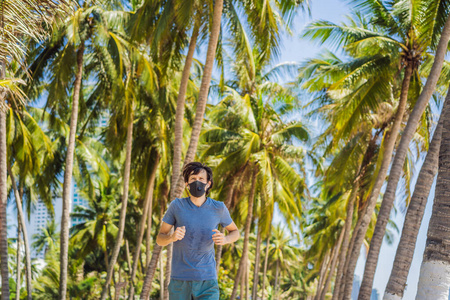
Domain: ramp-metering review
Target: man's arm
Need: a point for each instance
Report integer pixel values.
(164, 237)
(233, 235)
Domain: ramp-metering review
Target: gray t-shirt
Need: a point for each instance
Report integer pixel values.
(193, 256)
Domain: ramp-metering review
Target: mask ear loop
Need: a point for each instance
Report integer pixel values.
(188, 192)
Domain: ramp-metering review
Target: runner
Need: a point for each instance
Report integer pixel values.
(195, 219)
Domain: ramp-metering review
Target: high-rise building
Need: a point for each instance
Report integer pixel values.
(38, 220)
(375, 295)
(356, 286)
(76, 201)
(40, 216)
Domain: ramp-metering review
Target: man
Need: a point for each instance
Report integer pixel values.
(196, 219)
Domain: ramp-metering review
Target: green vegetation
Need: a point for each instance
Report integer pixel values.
(112, 96)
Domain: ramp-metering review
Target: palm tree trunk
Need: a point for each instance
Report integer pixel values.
(65, 218)
(148, 202)
(346, 230)
(334, 261)
(241, 286)
(18, 267)
(434, 280)
(123, 209)
(151, 269)
(201, 105)
(397, 166)
(222, 230)
(118, 286)
(127, 253)
(344, 253)
(257, 263)
(375, 245)
(247, 279)
(266, 261)
(161, 277)
(24, 231)
(168, 271)
(275, 286)
(351, 248)
(147, 285)
(381, 176)
(248, 223)
(326, 262)
(405, 250)
(148, 236)
(204, 90)
(3, 192)
(179, 114)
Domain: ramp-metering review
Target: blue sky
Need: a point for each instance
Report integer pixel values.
(296, 49)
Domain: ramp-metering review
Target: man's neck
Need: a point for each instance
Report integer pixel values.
(198, 201)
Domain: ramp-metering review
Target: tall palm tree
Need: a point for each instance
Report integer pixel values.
(28, 146)
(433, 280)
(353, 108)
(24, 232)
(77, 44)
(151, 144)
(129, 121)
(20, 20)
(80, 34)
(256, 143)
(403, 258)
(201, 105)
(401, 152)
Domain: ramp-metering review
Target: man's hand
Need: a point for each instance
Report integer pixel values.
(179, 233)
(219, 238)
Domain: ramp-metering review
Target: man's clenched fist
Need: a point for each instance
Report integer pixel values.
(179, 233)
(219, 238)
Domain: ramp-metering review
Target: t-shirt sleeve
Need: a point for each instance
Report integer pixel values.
(169, 216)
(225, 218)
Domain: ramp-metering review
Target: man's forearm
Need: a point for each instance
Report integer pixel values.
(232, 236)
(164, 239)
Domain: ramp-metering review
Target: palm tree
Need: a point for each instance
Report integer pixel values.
(281, 253)
(201, 105)
(87, 26)
(99, 230)
(151, 144)
(433, 280)
(254, 142)
(126, 179)
(397, 281)
(397, 166)
(353, 108)
(38, 15)
(24, 232)
(48, 238)
(28, 146)
(18, 266)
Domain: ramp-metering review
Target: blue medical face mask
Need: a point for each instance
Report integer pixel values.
(197, 188)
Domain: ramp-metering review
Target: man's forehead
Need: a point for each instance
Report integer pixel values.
(201, 173)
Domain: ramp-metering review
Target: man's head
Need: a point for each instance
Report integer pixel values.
(196, 171)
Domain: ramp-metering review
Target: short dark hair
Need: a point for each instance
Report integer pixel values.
(193, 168)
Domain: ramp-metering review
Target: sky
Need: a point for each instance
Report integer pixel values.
(294, 48)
